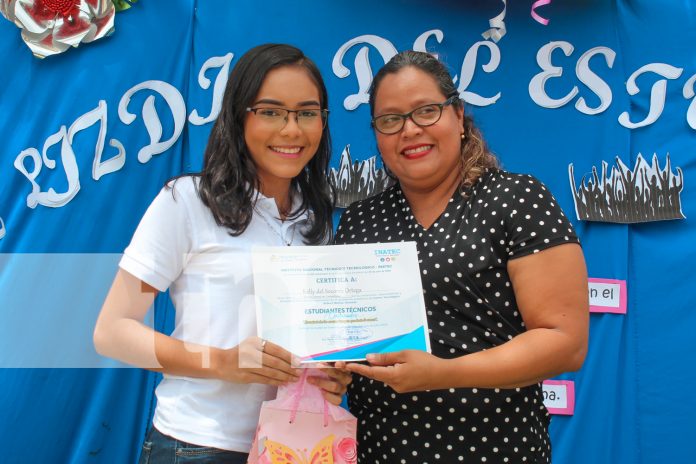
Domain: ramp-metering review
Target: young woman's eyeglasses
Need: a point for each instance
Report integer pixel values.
(423, 116)
(278, 117)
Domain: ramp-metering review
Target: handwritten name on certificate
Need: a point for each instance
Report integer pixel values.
(341, 302)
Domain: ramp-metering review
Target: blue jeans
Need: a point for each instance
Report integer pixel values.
(161, 449)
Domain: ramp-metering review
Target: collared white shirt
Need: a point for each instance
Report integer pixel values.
(178, 246)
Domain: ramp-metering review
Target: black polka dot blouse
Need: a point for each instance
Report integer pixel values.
(470, 307)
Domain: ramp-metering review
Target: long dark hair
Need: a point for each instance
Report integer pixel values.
(229, 181)
(475, 155)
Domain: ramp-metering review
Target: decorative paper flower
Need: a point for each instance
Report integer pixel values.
(122, 5)
(347, 449)
(52, 26)
(5, 6)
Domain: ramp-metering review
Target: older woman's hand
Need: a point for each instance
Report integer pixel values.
(404, 371)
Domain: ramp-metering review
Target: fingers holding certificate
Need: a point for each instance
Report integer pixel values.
(339, 303)
(402, 370)
(256, 360)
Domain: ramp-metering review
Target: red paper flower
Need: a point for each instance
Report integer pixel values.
(347, 449)
(52, 26)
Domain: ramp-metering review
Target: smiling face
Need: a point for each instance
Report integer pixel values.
(280, 152)
(422, 158)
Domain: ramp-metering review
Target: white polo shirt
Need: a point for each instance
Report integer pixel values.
(178, 245)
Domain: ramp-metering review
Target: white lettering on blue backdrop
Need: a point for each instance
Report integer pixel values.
(50, 198)
(222, 62)
(99, 167)
(658, 93)
(538, 83)
(469, 68)
(363, 72)
(594, 82)
(152, 122)
(688, 93)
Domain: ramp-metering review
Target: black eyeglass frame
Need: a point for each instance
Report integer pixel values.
(323, 111)
(409, 115)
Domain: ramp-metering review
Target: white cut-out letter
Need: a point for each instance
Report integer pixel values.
(2, 229)
(537, 85)
(99, 114)
(658, 93)
(363, 71)
(32, 153)
(593, 81)
(421, 43)
(468, 69)
(688, 92)
(222, 62)
(152, 122)
(50, 198)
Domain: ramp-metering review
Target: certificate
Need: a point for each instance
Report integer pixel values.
(341, 302)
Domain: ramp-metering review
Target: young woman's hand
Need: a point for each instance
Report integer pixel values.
(335, 386)
(256, 361)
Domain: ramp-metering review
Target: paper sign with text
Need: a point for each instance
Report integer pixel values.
(559, 396)
(607, 296)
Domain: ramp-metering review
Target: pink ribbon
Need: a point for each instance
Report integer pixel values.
(299, 390)
(536, 17)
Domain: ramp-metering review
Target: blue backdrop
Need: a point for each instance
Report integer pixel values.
(90, 136)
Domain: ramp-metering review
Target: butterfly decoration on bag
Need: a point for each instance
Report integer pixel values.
(301, 427)
(281, 454)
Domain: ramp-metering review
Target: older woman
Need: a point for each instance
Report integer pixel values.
(504, 283)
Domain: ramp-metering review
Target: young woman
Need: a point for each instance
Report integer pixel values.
(504, 282)
(263, 183)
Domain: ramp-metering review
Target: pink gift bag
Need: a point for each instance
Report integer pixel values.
(301, 427)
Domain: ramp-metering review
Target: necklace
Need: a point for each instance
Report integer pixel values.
(273, 228)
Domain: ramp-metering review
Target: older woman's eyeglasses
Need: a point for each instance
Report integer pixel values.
(423, 116)
(306, 118)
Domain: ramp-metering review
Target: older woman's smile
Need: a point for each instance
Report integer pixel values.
(417, 151)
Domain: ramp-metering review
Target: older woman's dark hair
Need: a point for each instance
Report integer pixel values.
(475, 155)
(229, 180)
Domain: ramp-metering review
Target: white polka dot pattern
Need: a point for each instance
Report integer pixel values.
(470, 307)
